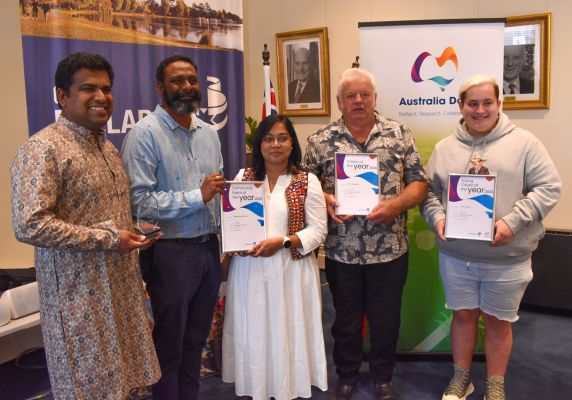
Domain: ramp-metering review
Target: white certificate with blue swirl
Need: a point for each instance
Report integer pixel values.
(357, 183)
(470, 207)
(242, 215)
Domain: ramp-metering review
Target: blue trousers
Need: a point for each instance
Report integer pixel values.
(183, 280)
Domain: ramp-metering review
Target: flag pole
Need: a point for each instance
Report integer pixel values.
(266, 68)
(355, 64)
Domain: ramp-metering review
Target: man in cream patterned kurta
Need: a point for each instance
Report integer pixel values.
(71, 201)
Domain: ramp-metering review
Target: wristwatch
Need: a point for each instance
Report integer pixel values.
(286, 243)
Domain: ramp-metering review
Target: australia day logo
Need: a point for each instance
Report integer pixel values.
(423, 62)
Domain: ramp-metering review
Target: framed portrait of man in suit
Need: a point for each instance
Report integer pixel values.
(526, 64)
(303, 72)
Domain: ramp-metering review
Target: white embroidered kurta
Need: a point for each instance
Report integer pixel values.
(273, 343)
(69, 200)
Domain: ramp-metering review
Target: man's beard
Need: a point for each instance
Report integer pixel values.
(180, 106)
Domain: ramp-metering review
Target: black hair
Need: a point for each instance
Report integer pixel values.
(160, 73)
(265, 126)
(76, 61)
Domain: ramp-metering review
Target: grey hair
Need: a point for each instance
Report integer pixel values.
(353, 74)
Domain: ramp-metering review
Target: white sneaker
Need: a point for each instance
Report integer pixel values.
(459, 387)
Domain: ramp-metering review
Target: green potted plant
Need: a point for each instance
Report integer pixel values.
(251, 124)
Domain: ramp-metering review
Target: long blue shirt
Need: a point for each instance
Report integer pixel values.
(171, 162)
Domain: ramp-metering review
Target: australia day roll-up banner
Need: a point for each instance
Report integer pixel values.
(135, 35)
(419, 67)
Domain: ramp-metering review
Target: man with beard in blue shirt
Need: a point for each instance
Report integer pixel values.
(175, 157)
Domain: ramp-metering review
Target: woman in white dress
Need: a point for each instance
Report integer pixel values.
(273, 343)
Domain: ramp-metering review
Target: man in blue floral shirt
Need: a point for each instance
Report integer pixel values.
(367, 256)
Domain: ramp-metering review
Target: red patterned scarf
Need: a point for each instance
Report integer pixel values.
(295, 199)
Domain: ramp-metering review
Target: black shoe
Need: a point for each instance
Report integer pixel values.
(385, 391)
(342, 392)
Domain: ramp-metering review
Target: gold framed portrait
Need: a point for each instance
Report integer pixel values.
(526, 71)
(303, 72)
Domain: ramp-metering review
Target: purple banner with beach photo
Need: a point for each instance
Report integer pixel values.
(135, 35)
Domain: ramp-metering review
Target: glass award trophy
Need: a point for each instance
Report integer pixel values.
(148, 215)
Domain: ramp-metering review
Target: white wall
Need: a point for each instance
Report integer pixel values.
(263, 19)
(13, 128)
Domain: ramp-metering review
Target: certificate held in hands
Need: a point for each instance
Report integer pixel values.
(242, 215)
(470, 207)
(357, 183)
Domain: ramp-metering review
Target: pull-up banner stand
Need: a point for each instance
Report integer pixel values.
(419, 67)
(135, 37)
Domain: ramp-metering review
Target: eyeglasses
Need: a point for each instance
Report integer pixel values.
(282, 139)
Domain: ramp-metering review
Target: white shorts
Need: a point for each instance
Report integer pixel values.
(495, 289)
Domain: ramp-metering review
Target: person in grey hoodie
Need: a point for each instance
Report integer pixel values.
(481, 277)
